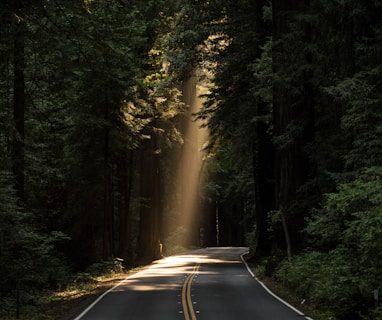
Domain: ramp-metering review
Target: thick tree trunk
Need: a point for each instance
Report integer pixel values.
(125, 179)
(149, 230)
(289, 110)
(262, 153)
(208, 232)
(264, 187)
(108, 251)
(293, 119)
(286, 234)
(284, 165)
(19, 100)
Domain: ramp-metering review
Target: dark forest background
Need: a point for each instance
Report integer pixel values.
(92, 113)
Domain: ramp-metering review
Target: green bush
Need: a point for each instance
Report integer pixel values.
(340, 271)
(326, 280)
(251, 240)
(105, 268)
(375, 314)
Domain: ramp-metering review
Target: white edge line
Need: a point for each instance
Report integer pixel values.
(99, 298)
(268, 290)
(242, 259)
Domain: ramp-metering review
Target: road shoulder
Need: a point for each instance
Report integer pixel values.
(273, 288)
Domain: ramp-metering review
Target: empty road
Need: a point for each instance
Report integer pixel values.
(205, 284)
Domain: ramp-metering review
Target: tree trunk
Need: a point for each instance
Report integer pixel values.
(125, 172)
(19, 100)
(108, 212)
(149, 233)
(283, 165)
(286, 234)
(293, 119)
(264, 187)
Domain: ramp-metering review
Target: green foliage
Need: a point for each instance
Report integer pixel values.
(343, 274)
(28, 257)
(106, 268)
(326, 281)
(100, 75)
(251, 240)
(226, 42)
(92, 87)
(375, 314)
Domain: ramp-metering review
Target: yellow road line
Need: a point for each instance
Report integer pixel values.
(188, 308)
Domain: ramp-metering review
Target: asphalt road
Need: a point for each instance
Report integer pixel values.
(205, 284)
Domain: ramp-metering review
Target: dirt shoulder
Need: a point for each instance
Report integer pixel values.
(68, 304)
(67, 308)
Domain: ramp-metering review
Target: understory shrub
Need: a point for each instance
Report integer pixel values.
(105, 268)
(327, 281)
(343, 267)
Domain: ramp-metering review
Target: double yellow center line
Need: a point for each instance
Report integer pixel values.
(188, 308)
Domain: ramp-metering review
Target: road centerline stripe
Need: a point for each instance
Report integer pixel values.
(188, 308)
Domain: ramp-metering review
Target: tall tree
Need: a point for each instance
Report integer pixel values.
(19, 94)
(239, 107)
(150, 209)
(226, 39)
(293, 113)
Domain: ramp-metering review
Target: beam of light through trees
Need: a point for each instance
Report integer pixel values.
(190, 166)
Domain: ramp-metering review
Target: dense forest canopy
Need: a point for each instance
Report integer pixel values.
(100, 101)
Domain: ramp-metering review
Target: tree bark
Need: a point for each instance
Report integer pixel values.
(125, 179)
(293, 117)
(149, 229)
(286, 234)
(19, 100)
(108, 212)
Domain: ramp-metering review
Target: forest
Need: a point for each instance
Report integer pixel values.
(97, 98)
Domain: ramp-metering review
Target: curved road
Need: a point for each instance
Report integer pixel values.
(205, 284)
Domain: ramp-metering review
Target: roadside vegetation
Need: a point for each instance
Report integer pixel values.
(72, 294)
(338, 275)
(94, 100)
(67, 300)
(340, 272)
